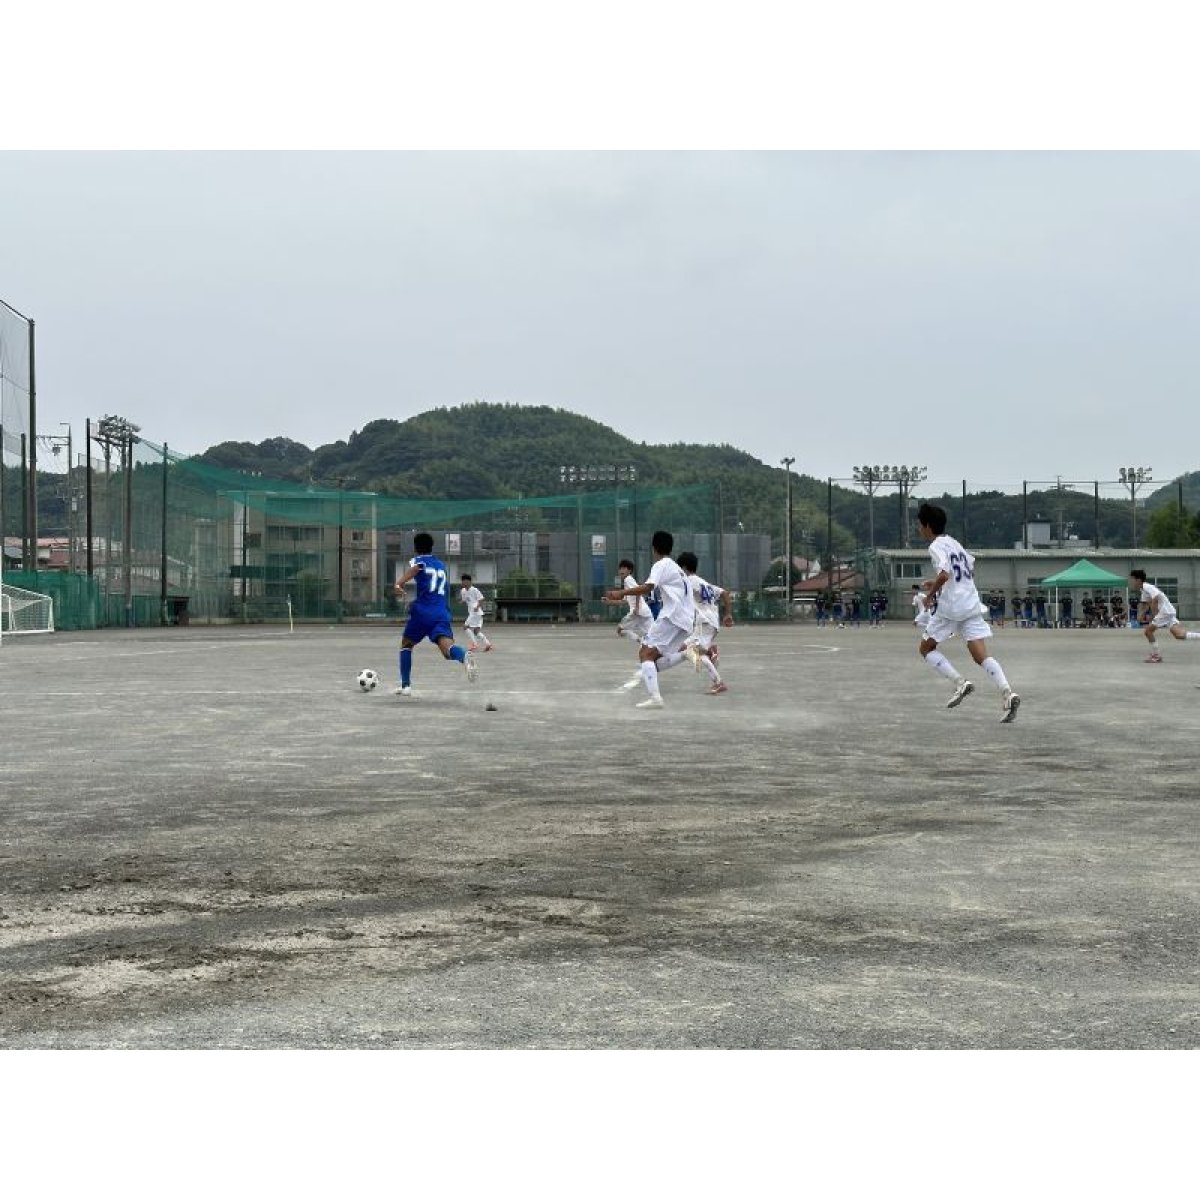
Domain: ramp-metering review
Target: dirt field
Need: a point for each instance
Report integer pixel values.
(211, 838)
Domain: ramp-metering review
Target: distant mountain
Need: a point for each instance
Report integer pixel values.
(509, 450)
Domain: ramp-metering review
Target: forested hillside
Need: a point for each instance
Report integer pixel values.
(508, 451)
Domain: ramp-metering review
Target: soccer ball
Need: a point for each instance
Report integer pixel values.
(368, 680)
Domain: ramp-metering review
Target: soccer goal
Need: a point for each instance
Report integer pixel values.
(22, 611)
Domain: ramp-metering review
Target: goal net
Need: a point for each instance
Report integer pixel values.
(23, 611)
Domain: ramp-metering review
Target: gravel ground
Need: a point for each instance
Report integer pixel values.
(213, 839)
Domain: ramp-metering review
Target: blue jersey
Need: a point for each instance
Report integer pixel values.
(432, 601)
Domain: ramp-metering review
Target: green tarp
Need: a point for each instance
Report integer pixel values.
(1084, 574)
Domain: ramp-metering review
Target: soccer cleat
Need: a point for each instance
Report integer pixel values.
(472, 667)
(717, 689)
(1153, 656)
(964, 689)
(1011, 703)
(403, 690)
(651, 702)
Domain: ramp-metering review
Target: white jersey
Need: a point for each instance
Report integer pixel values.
(705, 596)
(921, 613)
(958, 597)
(472, 597)
(634, 602)
(1149, 592)
(671, 587)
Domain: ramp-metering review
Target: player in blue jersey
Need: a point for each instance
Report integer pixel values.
(429, 614)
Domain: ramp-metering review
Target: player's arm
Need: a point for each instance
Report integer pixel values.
(932, 586)
(413, 571)
(643, 589)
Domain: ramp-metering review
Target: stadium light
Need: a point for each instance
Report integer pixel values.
(901, 477)
(1133, 478)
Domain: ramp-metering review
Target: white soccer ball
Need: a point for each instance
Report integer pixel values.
(368, 680)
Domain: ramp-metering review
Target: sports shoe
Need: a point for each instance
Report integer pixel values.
(403, 690)
(651, 702)
(717, 689)
(472, 667)
(964, 689)
(1154, 656)
(1011, 703)
(630, 684)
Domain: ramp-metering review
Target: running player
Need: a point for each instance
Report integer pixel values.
(701, 645)
(958, 611)
(472, 597)
(429, 616)
(662, 647)
(1160, 614)
(635, 624)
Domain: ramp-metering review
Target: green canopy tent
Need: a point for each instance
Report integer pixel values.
(1084, 574)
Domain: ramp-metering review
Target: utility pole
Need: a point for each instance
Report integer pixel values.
(787, 541)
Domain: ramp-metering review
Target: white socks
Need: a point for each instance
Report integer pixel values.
(996, 673)
(650, 677)
(942, 665)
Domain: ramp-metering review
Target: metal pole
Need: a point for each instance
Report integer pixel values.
(787, 542)
(964, 512)
(87, 478)
(1096, 493)
(162, 553)
(340, 548)
(70, 503)
(33, 506)
(1025, 513)
(829, 538)
(1133, 509)
(127, 452)
(25, 506)
(245, 506)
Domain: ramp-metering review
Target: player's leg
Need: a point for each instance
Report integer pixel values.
(980, 652)
(928, 648)
(406, 649)
(1181, 633)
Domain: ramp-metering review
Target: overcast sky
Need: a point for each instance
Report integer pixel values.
(993, 316)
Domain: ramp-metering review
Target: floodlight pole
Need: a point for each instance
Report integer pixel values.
(1133, 478)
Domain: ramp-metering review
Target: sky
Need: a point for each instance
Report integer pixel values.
(993, 316)
(910, 264)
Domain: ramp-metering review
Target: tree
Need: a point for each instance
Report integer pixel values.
(1171, 528)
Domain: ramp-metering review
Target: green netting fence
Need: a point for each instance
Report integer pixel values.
(175, 540)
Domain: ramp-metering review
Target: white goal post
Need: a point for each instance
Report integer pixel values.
(23, 611)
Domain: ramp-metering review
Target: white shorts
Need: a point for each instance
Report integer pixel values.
(971, 629)
(638, 624)
(473, 623)
(665, 637)
(702, 635)
(1165, 621)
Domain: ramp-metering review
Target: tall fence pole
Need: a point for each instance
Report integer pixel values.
(162, 556)
(87, 458)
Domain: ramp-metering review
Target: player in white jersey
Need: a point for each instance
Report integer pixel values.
(636, 622)
(472, 597)
(922, 607)
(662, 647)
(701, 646)
(1161, 614)
(958, 611)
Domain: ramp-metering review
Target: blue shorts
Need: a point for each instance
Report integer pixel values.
(420, 626)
